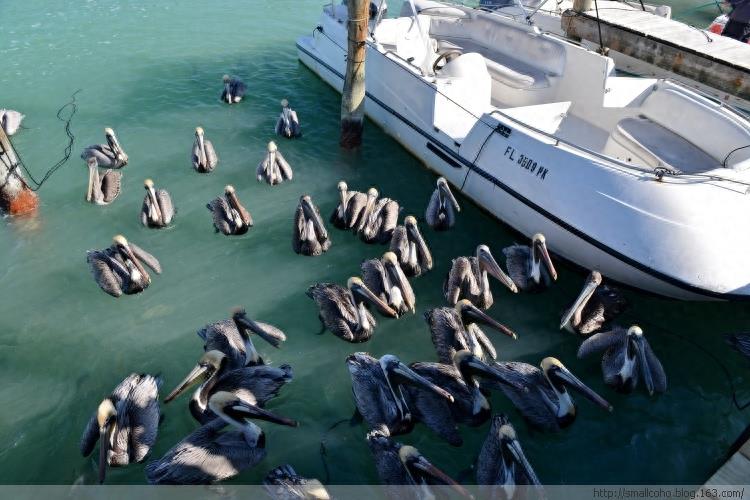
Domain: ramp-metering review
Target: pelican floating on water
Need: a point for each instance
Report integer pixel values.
(310, 236)
(229, 215)
(203, 155)
(234, 90)
(283, 483)
(232, 337)
(530, 267)
(351, 204)
(125, 424)
(386, 280)
(410, 248)
(157, 209)
(547, 404)
(441, 211)
(455, 329)
(274, 168)
(467, 279)
(288, 123)
(104, 189)
(627, 355)
(119, 268)
(10, 120)
(381, 220)
(208, 455)
(502, 462)
(343, 312)
(378, 388)
(596, 305)
(108, 155)
(257, 384)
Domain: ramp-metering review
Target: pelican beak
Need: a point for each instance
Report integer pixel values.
(273, 338)
(478, 367)
(645, 366)
(228, 90)
(104, 438)
(367, 295)
(446, 193)
(312, 215)
(488, 262)
(565, 376)
(410, 376)
(197, 374)
(417, 238)
(588, 290)
(514, 449)
(425, 467)
(476, 315)
(128, 253)
(90, 188)
(397, 277)
(541, 246)
(242, 411)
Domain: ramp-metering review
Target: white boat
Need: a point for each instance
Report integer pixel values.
(643, 179)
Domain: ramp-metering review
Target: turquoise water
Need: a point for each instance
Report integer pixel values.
(153, 72)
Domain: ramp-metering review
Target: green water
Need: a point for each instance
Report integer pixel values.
(152, 70)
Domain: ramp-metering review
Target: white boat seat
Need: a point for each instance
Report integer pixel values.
(640, 140)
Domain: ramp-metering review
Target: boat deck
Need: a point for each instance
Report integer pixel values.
(736, 470)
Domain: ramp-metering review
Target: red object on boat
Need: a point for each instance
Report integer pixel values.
(717, 26)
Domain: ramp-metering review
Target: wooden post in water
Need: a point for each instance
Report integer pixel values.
(15, 196)
(582, 5)
(353, 95)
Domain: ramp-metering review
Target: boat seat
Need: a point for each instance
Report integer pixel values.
(640, 140)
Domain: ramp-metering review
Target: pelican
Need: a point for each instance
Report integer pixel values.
(343, 312)
(410, 248)
(467, 279)
(399, 464)
(118, 269)
(234, 90)
(627, 354)
(386, 280)
(547, 404)
(596, 305)
(261, 383)
(381, 222)
(530, 268)
(378, 388)
(310, 236)
(441, 211)
(203, 156)
(502, 462)
(232, 338)
(102, 190)
(157, 209)
(108, 155)
(208, 455)
(283, 483)
(125, 423)
(10, 120)
(454, 329)
(358, 223)
(740, 343)
(274, 169)
(350, 206)
(288, 124)
(230, 216)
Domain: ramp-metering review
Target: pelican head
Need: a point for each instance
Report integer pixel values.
(92, 162)
(106, 417)
(560, 377)
(284, 103)
(148, 184)
(397, 372)
(225, 78)
(636, 347)
(245, 325)
(109, 132)
(540, 254)
(229, 189)
(469, 313)
(238, 411)
(573, 315)
(423, 472)
(390, 258)
(410, 221)
(120, 241)
(361, 293)
(208, 366)
(445, 193)
(272, 147)
(372, 192)
(511, 453)
(488, 263)
(199, 131)
(341, 186)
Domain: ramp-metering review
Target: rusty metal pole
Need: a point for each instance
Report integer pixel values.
(15, 196)
(353, 95)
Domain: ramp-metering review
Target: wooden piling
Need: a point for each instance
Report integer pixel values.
(353, 95)
(15, 196)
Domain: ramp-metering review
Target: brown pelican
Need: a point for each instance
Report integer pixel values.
(547, 404)
(359, 222)
(125, 424)
(274, 169)
(502, 462)
(207, 454)
(410, 248)
(310, 236)
(10, 120)
(399, 464)
(378, 388)
(203, 156)
(455, 329)
(234, 90)
(283, 483)
(386, 280)
(108, 155)
(381, 221)
(230, 216)
(347, 213)
(530, 268)
(627, 354)
(343, 312)
(232, 337)
(467, 279)
(288, 124)
(596, 305)
(118, 269)
(102, 190)
(157, 209)
(257, 383)
(441, 211)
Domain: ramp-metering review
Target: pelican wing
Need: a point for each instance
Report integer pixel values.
(165, 205)
(100, 266)
(146, 258)
(269, 333)
(90, 436)
(376, 278)
(263, 382)
(220, 212)
(355, 209)
(530, 404)
(223, 336)
(196, 157)
(658, 375)
(338, 312)
(299, 227)
(517, 259)
(400, 244)
(111, 185)
(460, 281)
(238, 87)
(433, 209)
(145, 209)
(212, 159)
(372, 395)
(484, 342)
(389, 220)
(143, 413)
(446, 331)
(432, 410)
(600, 342)
(284, 167)
(103, 154)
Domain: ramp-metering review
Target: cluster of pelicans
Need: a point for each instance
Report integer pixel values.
(235, 384)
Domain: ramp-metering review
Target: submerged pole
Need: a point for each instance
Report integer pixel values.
(15, 196)
(353, 95)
